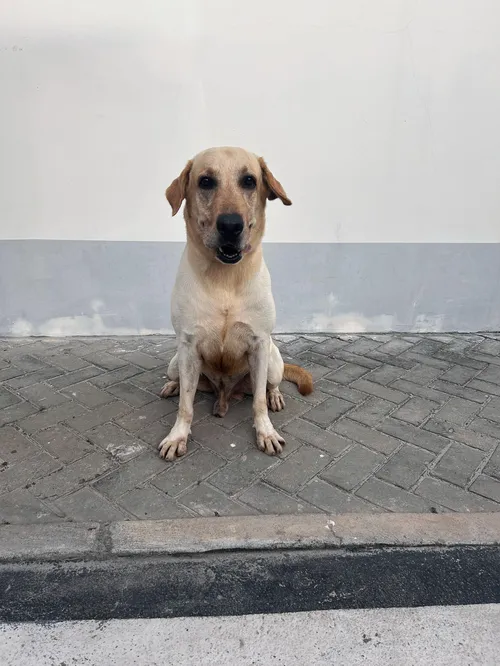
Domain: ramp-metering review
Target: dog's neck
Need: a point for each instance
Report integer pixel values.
(213, 272)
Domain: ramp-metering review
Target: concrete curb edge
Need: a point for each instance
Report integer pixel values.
(85, 541)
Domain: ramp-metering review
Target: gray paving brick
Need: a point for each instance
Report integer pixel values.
(415, 410)
(131, 474)
(458, 374)
(131, 394)
(333, 500)
(380, 391)
(330, 346)
(64, 360)
(487, 487)
(43, 395)
(16, 412)
(63, 381)
(7, 398)
(362, 346)
(328, 411)
(395, 346)
(354, 467)
(268, 500)
(485, 387)
(392, 498)
(72, 476)
(492, 410)
(154, 432)
(8, 372)
(317, 371)
(485, 427)
(106, 379)
(452, 497)
(88, 395)
(26, 471)
(372, 411)
(419, 391)
(365, 361)
(28, 363)
(340, 391)
(314, 398)
(464, 392)
(425, 360)
(413, 435)
(98, 416)
(488, 347)
(105, 360)
(143, 360)
(14, 446)
(139, 418)
(52, 416)
(490, 374)
(88, 506)
(152, 380)
(41, 375)
(459, 358)
(297, 346)
(298, 468)
(202, 409)
(116, 441)
(311, 356)
(208, 501)
(223, 442)
(458, 464)
(188, 471)
(347, 373)
(293, 408)
(458, 411)
(63, 443)
(242, 472)
(461, 434)
(493, 466)
(406, 466)
(151, 504)
(421, 374)
(373, 439)
(20, 507)
(385, 375)
(322, 439)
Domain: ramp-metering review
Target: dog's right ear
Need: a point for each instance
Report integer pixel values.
(176, 191)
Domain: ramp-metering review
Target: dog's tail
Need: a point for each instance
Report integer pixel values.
(299, 376)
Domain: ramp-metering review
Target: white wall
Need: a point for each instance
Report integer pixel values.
(381, 117)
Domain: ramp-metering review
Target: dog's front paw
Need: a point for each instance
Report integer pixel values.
(275, 400)
(269, 441)
(172, 447)
(169, 389)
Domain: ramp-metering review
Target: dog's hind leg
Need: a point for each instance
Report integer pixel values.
(275, 400)
(172, 386)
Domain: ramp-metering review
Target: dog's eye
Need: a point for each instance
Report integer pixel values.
(248, 183)
(207, 183)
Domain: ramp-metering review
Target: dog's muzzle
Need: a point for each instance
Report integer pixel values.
(230, 229)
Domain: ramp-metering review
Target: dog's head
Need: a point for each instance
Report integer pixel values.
(226, 190)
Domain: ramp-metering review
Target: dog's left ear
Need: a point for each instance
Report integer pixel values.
(275, 188)
(176, 191)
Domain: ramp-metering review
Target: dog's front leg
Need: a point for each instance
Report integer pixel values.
(268, 439)
(175, 443)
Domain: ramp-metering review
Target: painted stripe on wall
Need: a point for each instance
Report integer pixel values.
(99, 288)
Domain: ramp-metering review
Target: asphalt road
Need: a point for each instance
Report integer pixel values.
(439, 635)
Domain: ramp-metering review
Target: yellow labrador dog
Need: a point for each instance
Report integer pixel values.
(222, 307)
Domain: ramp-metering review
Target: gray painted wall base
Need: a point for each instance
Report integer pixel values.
(112, 288)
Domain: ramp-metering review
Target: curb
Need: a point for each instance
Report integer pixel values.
(237, 566)
(84, 541)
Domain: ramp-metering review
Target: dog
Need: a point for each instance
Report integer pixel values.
(222, 307)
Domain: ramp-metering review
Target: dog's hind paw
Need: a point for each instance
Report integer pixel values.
(169, 389)
(275, 400)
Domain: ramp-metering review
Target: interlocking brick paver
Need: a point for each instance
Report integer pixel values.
(149, 503)
(397, 422)
(452, 497)
(312, 434)
(298, 468)
(88, 506)
(266, 499)
(406, 466)
(371, 438)
(354, 467)
(206, 500)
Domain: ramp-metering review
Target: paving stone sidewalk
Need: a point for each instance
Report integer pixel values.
(407, 423)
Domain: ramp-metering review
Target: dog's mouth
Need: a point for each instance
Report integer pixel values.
(229, 254)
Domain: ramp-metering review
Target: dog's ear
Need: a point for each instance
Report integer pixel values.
(176, 191)
(274, 187)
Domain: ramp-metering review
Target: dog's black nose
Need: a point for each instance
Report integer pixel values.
(230, 226)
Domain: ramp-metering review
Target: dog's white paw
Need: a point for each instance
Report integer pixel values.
(275, 400)
(270, 441)
(172, 447)
(169, 389)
